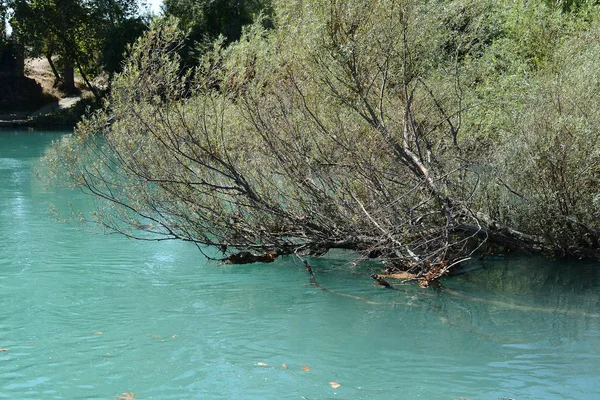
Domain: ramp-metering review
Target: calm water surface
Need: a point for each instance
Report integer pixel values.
(88, 316)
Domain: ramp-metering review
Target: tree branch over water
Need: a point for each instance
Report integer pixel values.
(340, 133)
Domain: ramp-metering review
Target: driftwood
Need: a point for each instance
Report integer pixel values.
(381, 281)
(245, 257)
(401, 275)
(310, 271)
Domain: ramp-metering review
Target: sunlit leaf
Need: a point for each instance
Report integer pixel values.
(126, 396)
(334, 385)
(305, 368)
(261, 364)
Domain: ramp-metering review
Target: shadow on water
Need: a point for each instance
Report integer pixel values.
(499, 299)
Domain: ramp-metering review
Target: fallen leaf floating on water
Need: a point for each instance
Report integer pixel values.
(126, 396)
(305, 368)
(262, 364)
(284, 366)
(97, 333)
(4, 349)
(334, 385)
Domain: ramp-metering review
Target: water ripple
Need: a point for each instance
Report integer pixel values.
(89, 316)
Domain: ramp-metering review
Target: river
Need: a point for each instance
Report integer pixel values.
(85, 315)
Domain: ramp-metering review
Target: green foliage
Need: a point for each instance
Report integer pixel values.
(90, 35)
(571, 5)
(469, 27)
(119, 24)
(417, 131)
(550, 152)
(3, 21)
(206, 20)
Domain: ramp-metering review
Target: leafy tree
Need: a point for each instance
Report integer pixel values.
(51, 28)
(571, 5)
(3, 21)
(351, 125)
(548, 154)
(87, 35)
(120, 25)
(205, 20)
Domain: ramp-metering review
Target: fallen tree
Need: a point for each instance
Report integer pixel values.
(332, 131)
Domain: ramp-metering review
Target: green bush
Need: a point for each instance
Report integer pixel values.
(358, 125)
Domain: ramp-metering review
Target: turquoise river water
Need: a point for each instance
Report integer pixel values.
(86, 315)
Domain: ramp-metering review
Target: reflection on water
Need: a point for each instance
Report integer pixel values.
(89, 316)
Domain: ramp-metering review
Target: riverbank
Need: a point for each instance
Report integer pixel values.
(63, 113)
(32, 101)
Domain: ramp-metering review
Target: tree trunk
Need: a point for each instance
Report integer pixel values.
(57, 77)
(87, 82)
(68, 77)
(3, 33)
